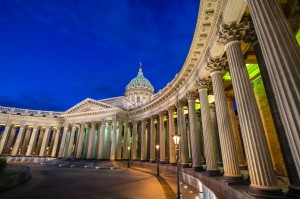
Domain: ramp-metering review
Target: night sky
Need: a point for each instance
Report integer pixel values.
(56, 53)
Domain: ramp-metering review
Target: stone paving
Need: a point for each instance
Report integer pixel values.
(49, 181)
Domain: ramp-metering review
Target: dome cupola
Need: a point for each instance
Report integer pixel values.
(139, 88)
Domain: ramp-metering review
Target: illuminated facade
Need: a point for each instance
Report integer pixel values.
(263, 59)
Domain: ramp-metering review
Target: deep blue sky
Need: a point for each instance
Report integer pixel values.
(55, 53)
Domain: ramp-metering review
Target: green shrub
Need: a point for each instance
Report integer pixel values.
(3, 163)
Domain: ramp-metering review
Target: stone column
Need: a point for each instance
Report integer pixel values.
(57, 135)
(134, 141)
(171, 133)
(26, 140)
(70, 148)
(119, 148)
(52, 140)
(194, 134)
(39, 141)
(4, 136)
(182, 133)
(143, 140)
(63, 142)
(91, 140)
(229, 153)
(236, 133)
(290, 165)
(32, 141)
(282, 64)
(263, 182)
(101, 140)
(152, 138)
(18, 141)
(210, 148)
(80, 141)
(45, 141)
(108, 141)
(125, 142)
(10, 140)
(113, 141)
(214, 123)
(162, 140)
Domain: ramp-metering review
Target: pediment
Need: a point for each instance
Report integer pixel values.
(88, 105)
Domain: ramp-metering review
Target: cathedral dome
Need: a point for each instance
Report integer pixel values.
(139, 88)
(140, 82)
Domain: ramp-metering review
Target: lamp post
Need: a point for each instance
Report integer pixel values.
(176, 139)
(157, 149)
(128, 165)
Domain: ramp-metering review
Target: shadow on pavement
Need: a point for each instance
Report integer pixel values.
(169, 193)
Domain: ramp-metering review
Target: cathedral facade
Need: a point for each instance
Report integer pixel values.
(244, 54)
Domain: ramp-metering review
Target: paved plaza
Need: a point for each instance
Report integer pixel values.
(56, 182)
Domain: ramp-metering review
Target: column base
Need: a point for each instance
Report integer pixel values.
(220, 164)
(152, 161)
(163, 162)
(294, 191)
(173, 163)
(185, 165)
(243, 167)
(211, 173)
(144, 160)
(265, 193)
(198, 169)
(232, 180)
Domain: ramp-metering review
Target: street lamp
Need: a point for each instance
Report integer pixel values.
(128, 148)
(176, 139)
(157, 149)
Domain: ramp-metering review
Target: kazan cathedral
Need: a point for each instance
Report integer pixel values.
(235, 104)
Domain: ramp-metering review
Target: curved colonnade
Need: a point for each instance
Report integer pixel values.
(198, 104)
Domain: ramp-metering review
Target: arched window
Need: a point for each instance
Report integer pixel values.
(132, 98)
(138, 99)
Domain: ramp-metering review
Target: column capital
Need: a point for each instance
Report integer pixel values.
(203, 84)
(249, 35)
(171, 109)
(179, 103)
(134, 122)
(191, 95)
(162, 113)
(217, 64)
(153, 117)
(230, 32)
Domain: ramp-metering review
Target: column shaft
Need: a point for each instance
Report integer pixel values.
(32, 141)
(101, 140)
(70, 148)
(113, 141)
(55, 144)
(282, 64)
(143, 140)
(108, 141)
(208, 140)
(236, 133)
(119, 147)
(10, 140)
(182, 132)
(18, 141)
(4, 137)
(258, 157)
(152, 139)
(91, 140)
(80, 141)
(194, 134)
(134, 141)
(171, 133)
(26, 140)
(45, 141)
(63, 142)
(162, 138)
